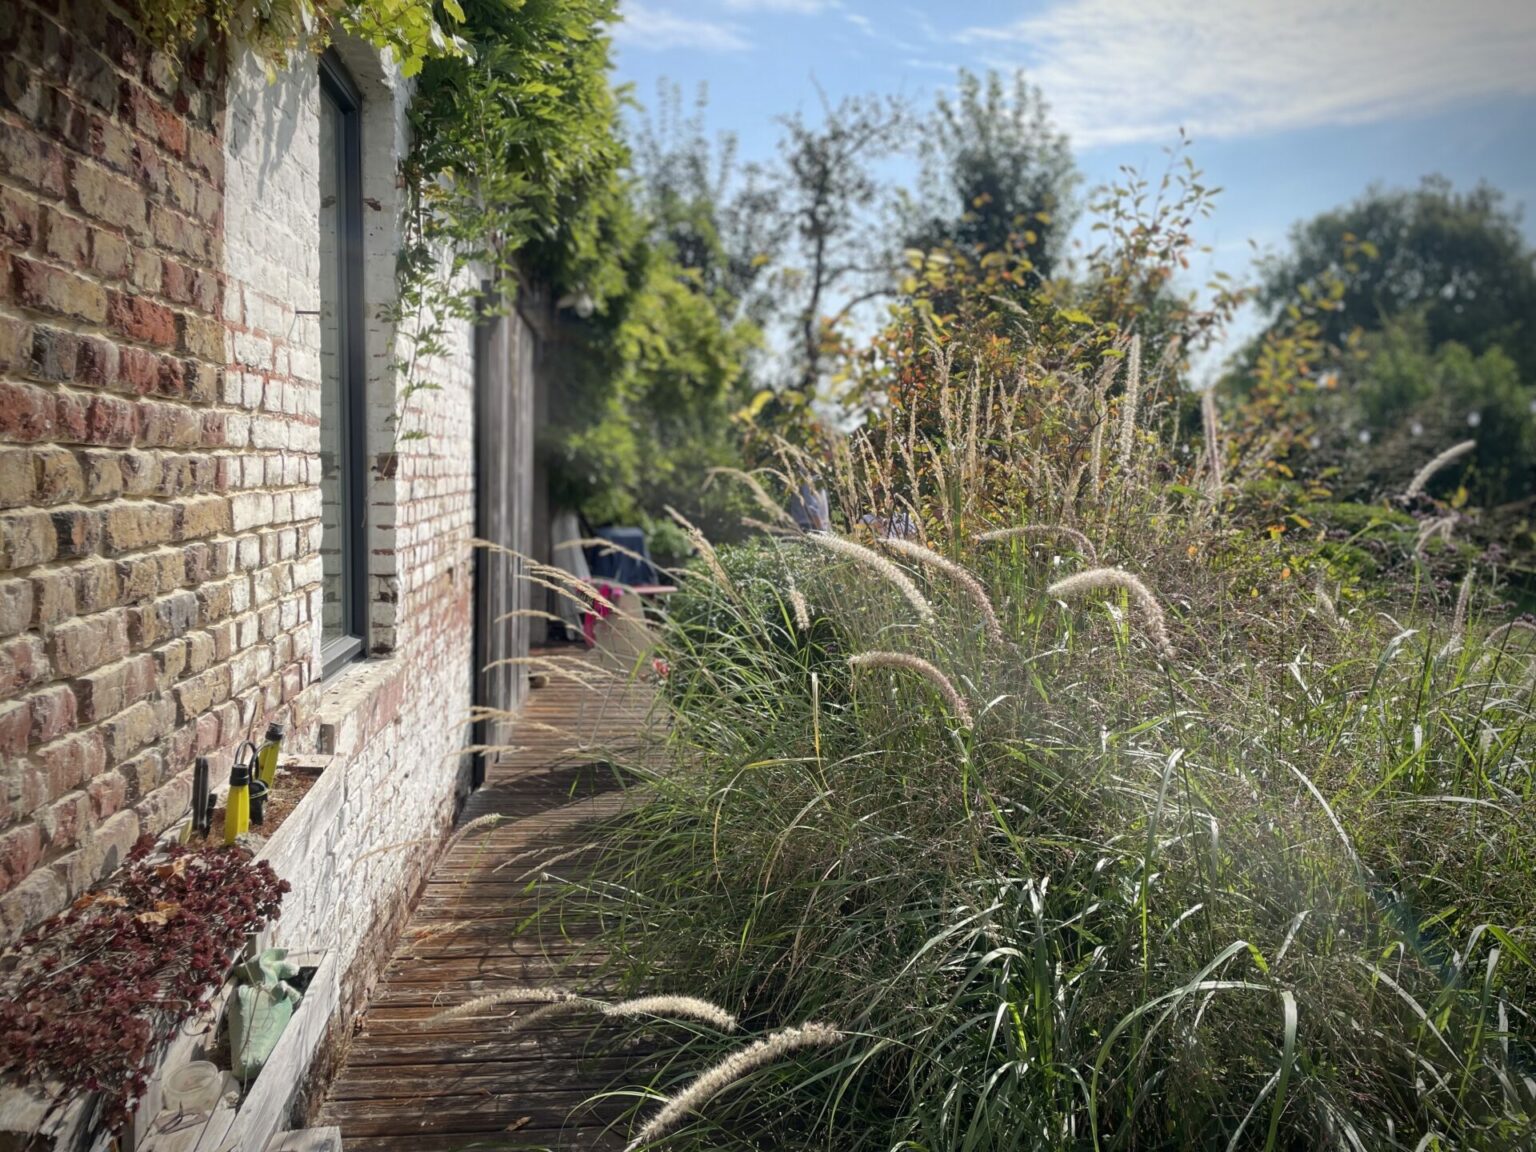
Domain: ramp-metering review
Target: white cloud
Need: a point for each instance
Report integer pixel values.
(1119, 71)
(656, 30)
(806, 7)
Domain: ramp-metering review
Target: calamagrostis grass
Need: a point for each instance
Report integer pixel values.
(956, 572)
(1128, 405)
(905, 662)
(1098, 578)
(1084, 545)
(1425, 474)
(728, 1071)
(877, 564)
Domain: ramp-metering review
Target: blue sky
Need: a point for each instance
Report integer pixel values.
(1294, 106)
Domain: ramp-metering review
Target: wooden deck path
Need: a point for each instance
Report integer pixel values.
(467, 1083)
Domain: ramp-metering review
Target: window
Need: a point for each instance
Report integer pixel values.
(343, 475)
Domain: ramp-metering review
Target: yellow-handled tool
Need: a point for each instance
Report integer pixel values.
(266, 756)
(237, 805)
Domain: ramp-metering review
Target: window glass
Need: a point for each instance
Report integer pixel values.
(342, 620)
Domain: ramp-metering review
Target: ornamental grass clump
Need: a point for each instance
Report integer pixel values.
(1065, 893)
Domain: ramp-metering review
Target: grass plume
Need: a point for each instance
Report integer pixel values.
(1100, 579)
(1427, 473)
(958, 573)
(877, 564)
(901, 661)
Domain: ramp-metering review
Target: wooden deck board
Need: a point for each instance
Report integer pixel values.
(472, 1083)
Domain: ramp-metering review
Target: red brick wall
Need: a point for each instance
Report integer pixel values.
(125, 602)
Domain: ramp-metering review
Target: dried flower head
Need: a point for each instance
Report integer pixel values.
(907, 663)
(1101, 578)
(1084, 545)
(956, 572)
(728, 1071)
(879, 565)
(1132, 398)
(1425, 474)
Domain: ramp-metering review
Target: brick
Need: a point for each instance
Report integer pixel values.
(140, 319)
(66, 239)
(20, 851)
(15, 732)
(31, 161)
(109, 198)
(59, 479)
(176, 233)
(165, 619)
(201, 337)
(138, 371)
(97, 364)
(65, 820)
(65, 764)
(170, 662)
(135, 727)
(39, 896)
(111, 421)
(17, 477)
(108, 793)
(44, 288)
(19, 217)
(111, 144)
(107, 691)
(88, 642)
(111, 256)
(196, 695)
(127, 526)
(55, 354)
(96, 586)
(23, 664)
(26, 539)
(200, 651)
(53, 714)
(102, 474)
(15, 343)
(202, 516)
(101, 853)
(27, 413)
(140, 472)
(77, 532)
(53, 596)
(15, 606)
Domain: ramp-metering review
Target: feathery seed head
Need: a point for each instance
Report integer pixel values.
(1084, 545)
(728, 1071)
(878, 564)
(1096, 579)
(1425, 474)
(956, 572)
(904, 662)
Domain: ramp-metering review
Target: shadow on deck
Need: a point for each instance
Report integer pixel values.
(470, 1082)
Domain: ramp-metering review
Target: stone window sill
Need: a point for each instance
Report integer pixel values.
(357, 704)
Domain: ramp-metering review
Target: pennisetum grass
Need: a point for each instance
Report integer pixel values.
(735, 1066)
(1084, 545)
(901, 661)
(1427, 473)
(877, 564)
(962, 578)
(1099, 579)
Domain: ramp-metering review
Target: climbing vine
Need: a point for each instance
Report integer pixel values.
(276, 29)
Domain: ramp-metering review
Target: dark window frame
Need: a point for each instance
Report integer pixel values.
(338, 88)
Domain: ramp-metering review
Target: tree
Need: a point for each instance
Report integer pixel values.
(1457, 258)
(828, 197)
(997, 175)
